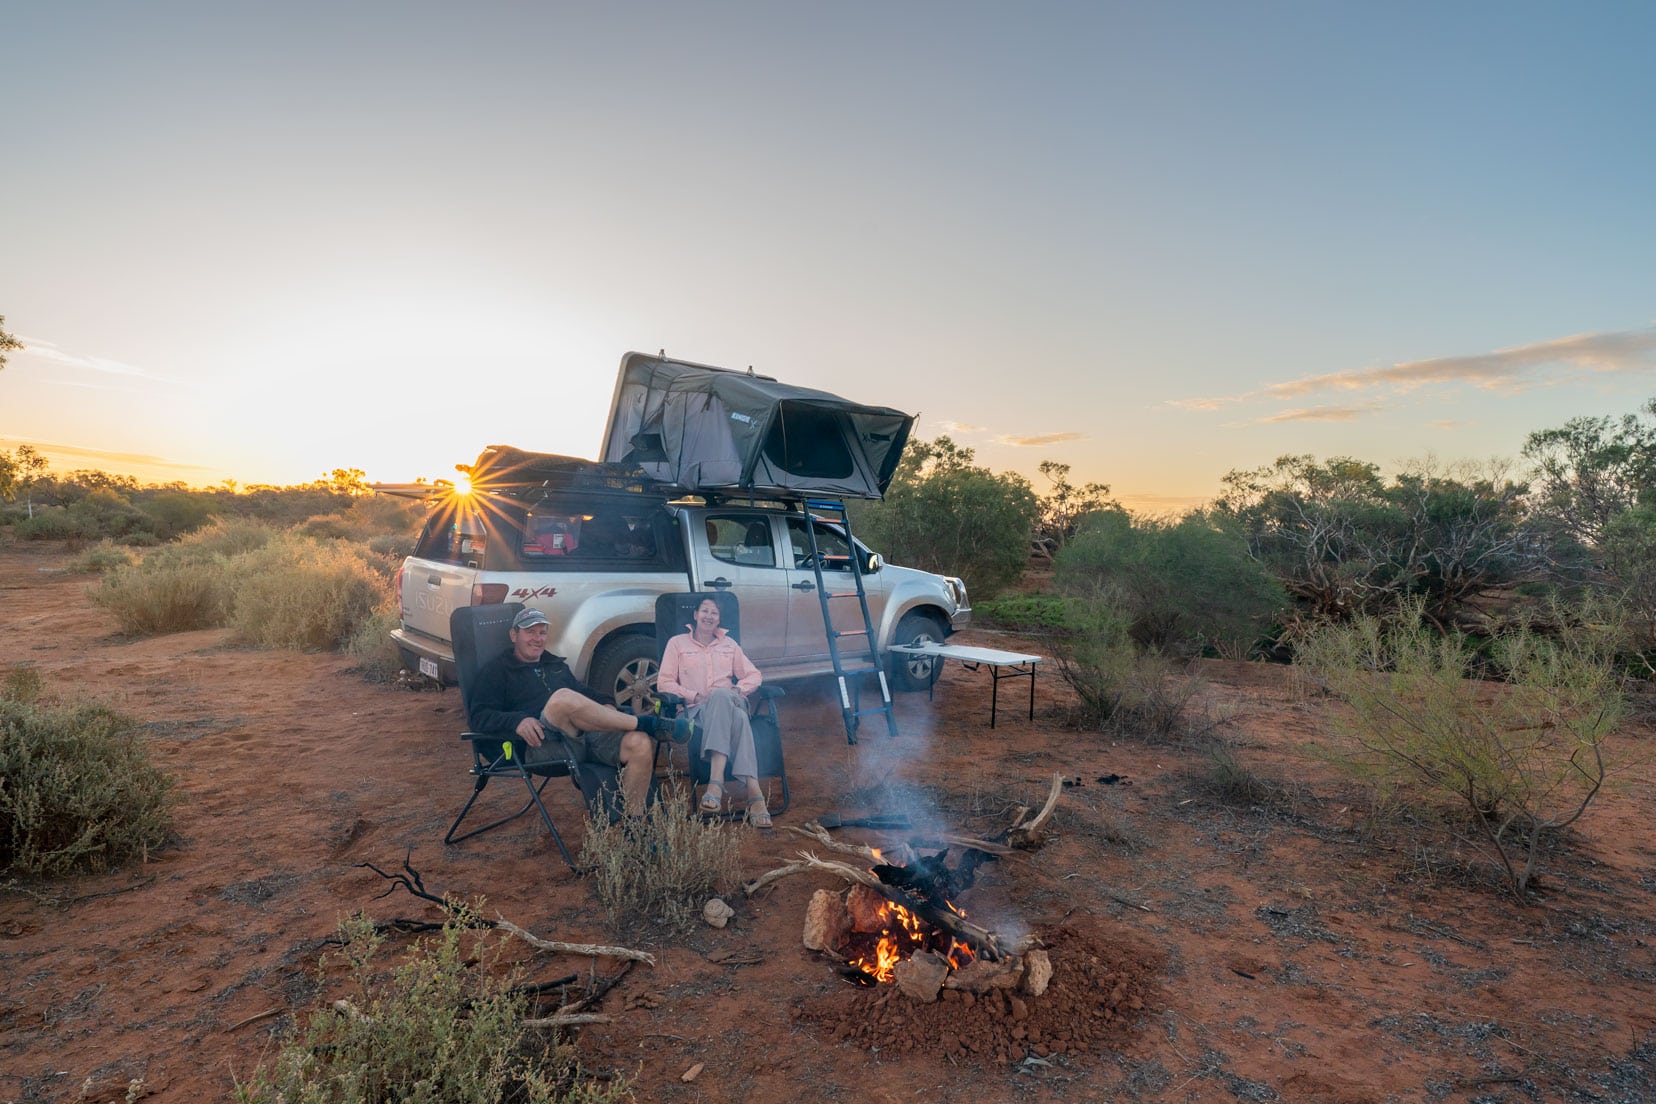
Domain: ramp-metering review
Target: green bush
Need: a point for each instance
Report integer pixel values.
(226, 537)
(77, 789)
(434, 1029)
(1185, 586)
(55, 523)
(663, 867)
(944, 514)
(1023, 612)
(296, 593)
(1522, 759)
(1119, 687)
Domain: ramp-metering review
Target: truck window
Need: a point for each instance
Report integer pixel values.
(743, 539)
(836, 551)
(452, 535)
(593, 533)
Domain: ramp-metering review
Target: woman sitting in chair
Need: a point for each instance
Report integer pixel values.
(711, 673)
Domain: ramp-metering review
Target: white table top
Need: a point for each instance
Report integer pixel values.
(965, 653)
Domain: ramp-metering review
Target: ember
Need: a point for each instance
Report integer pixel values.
(901, 934)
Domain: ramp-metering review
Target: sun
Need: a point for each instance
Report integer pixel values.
(462, 484)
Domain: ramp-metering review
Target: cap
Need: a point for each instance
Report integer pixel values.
(527, 616)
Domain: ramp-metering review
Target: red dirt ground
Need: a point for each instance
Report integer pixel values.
(1204, 951)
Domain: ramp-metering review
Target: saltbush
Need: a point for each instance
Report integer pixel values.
(662, 867)
(297, 593)
(78, 791)
(437, 1028)
(172, 590)
(100, 558)
(370, 643)
(1522, 758)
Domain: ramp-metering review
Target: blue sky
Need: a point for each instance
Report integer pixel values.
(1156, 242)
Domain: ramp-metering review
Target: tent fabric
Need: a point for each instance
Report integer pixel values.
(702, 428)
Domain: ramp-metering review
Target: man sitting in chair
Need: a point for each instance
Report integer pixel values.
(527, 690)
(713, 675)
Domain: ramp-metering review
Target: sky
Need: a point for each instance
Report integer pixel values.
(1157, 242)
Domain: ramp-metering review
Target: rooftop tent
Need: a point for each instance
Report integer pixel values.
(710, 429)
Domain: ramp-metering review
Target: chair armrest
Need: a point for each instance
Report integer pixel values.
(767, 692)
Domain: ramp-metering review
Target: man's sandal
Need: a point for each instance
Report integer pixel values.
(712, 798)
(757, 814)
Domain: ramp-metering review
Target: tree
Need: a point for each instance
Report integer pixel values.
(20, 471)
(1066, 507)
(7, 342)
(1591, 469)
(944, 514)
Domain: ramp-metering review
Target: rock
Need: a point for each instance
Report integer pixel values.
(920, 976)
(982, 976)
(693, 1072)
(867, 908)
(717, 913)
(826, 921)
(1037, 972)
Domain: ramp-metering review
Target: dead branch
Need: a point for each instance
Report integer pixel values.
(558, 947)
(574, 1019)
(774, 876)
(1030, 834)
(870, 855)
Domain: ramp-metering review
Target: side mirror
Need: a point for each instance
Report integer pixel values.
(874, 563)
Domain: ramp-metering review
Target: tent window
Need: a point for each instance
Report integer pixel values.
(808, 441)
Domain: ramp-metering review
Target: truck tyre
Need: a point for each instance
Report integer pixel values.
(625, 668)
(910, 673)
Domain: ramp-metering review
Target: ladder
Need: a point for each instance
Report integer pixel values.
(866, 660)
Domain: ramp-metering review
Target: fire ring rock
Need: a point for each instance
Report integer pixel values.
(826, 921)
(1037, 972)
(921, 975)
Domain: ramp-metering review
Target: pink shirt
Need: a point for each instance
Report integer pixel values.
(690, 670)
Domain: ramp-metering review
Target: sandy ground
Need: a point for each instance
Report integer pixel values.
(1204, 951)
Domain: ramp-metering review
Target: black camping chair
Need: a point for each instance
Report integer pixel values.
(674, 612)
(479, 634)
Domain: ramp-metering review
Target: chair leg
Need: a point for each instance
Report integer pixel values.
(534, 802)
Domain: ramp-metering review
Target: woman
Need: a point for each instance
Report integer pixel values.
(711, 673)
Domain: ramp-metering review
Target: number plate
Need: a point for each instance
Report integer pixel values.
(428, 667)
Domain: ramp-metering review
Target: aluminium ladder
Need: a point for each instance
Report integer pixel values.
(850, 696)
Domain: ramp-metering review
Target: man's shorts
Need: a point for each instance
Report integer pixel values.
(597, 747)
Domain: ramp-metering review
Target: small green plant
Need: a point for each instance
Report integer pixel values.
(440, 1027)
(1523, 758)
(78, 791)
(660, 868)
(1025, 612)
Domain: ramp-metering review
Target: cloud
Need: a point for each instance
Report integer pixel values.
(948, 427)
(1040, 439)
(1449, 423)
(48, 351)
(104, 456)
(1503, 370)
(1323, 413)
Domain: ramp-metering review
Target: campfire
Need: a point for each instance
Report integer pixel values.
(900, 923)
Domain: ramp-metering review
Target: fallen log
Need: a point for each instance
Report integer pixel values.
(1028, 833)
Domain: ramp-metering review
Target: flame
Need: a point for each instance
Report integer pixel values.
(902, 926)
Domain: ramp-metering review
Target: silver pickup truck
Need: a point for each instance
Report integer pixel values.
(594, 555)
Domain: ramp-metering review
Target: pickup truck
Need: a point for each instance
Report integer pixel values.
(593, 552)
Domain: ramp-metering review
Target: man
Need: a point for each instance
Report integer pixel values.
(714, 676)
(531, 692)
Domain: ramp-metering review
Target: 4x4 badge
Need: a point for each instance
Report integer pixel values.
(523, 594)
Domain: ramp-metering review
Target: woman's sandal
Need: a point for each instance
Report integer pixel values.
(712, 798)
(757, 813)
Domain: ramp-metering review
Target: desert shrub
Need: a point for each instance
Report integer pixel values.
(101, 557)
(1120, 687)
(21, 684)
(226, 537)
(1522, 759)
(660, 868)
(77, 789)
(296, 593)
(166, 592)
(1185, 586)
(172, 513)
(370, 643)
(1236, 783)
(432, 1029)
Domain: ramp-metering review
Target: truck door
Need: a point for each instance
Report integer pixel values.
(439, 576)
(807, 638)
(736, 552)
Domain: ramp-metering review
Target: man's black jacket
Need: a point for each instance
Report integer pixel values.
(507, 690)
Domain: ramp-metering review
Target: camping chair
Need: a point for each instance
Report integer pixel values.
(674, 613)
(479, 634)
